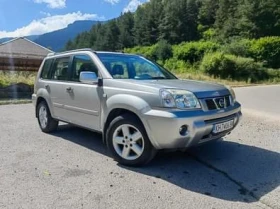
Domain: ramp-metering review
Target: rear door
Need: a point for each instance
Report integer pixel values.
(82, 101)
(57, 86)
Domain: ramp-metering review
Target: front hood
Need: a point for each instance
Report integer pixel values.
(199, 88)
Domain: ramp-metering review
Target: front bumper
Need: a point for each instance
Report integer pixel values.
(162, 126)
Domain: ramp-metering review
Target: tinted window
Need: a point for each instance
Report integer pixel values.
(82, 63)
(60, 69)
(46, 69)
(124, 66)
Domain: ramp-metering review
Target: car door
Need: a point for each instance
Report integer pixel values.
(57, 87)
(83, 100)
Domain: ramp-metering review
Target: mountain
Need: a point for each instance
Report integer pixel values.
(57, 40)
(2, 40)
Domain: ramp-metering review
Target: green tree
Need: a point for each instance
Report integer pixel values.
(141, 27)
(226, 19)
(259, 18)
(180, 21)
(108, 38)
(155, 14)
(69, 45)
(99, 42)
(207, 12)
(126, 24)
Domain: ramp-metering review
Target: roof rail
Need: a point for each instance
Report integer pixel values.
(75, 50)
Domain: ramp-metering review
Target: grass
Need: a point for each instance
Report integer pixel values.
(8, 78)
(233, 83)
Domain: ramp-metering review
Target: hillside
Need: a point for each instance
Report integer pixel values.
(235, 40)
(57, 40)
(179, 21)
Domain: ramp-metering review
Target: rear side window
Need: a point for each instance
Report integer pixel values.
(46, 69)
(60, 69)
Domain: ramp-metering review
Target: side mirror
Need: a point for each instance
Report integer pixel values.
(89, 78)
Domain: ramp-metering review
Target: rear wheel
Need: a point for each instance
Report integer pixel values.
(46, 122)
(128, 141)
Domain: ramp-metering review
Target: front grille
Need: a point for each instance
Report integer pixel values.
(210, 104)
(218, 102)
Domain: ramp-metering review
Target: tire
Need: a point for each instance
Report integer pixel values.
(128, 142)
(45, 120)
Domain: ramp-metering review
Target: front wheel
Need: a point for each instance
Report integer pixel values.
(128, 141)
(46, 122)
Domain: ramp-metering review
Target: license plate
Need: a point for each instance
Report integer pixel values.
(221, 127)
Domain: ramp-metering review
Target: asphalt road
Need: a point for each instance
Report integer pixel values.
(72, 169)
(259, 100)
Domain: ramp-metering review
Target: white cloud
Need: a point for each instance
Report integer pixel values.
(47, 14)
(112, 1)
(53, 3)
(132, 6)
(48, 24)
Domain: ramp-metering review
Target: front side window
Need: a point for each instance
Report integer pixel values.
(82, 63)
(124, 66)
(46, 69)
(60, 69)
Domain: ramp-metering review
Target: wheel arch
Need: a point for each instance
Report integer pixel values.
(39, 100)
(124, 104)
(115, 113)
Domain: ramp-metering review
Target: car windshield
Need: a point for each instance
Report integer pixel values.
(124, 66)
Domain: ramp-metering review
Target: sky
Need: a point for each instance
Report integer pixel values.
(36, 17)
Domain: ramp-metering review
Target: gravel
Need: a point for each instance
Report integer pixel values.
(71, 168)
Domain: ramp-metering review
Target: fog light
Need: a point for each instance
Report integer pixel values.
(183, 130)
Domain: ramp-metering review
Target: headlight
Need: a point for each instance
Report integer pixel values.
(232, 93)
(179, 98)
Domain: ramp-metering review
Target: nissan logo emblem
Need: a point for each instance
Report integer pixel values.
(221, 102)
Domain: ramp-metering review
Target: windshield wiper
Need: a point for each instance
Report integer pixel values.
(158, 78)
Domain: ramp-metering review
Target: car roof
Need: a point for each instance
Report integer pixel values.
(54, 54)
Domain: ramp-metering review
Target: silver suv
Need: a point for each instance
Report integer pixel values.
(136, 104)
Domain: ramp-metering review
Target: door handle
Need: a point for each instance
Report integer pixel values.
(69, 89)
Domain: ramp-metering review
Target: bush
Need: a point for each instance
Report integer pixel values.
(274, 75)
(7, 78)
(160, 51)
(193, 51)
(163, 50)
(178, 66)
(209, 34)
(216, 65)
(146, 51)
(232, 67)
(238, 47)
(267, 50)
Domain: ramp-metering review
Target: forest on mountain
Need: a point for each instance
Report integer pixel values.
(229, 39)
